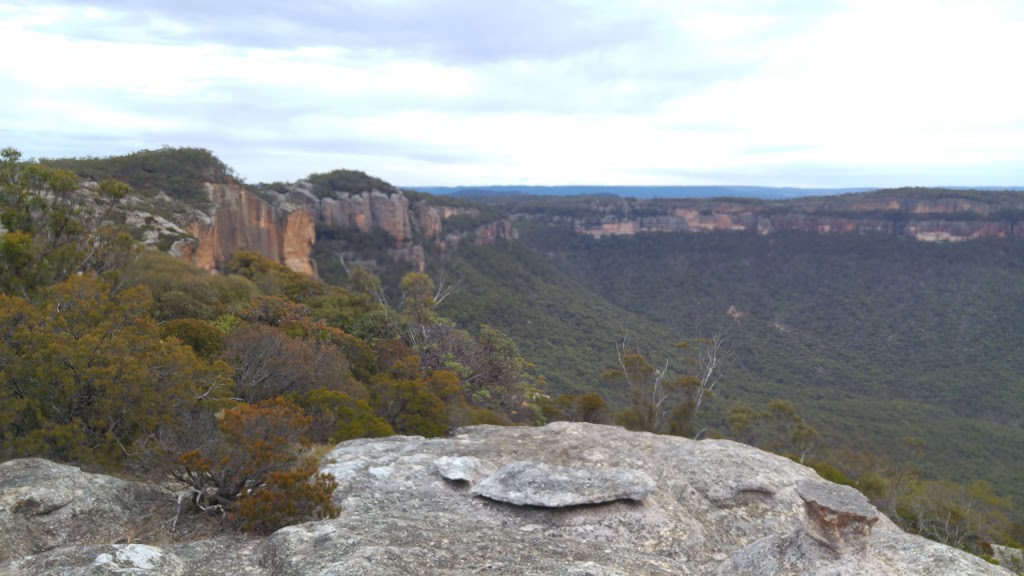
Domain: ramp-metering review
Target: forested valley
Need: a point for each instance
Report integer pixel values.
(885, 363)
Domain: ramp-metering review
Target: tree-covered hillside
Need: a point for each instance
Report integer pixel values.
(873, 338)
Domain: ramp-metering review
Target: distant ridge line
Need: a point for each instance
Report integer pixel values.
(761, 192)
(766, 192)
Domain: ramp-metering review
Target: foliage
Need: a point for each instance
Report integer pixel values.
(269, 362)
(288, 497)
(348, 182)
(589, 407)
(650, 389)
(418, 298)
(181, 290)
(48, 232)
(86, 374)
(777, 428)
(177, 172)
(408, 405)
(336, 417)
(658, 402)
(559, 324)
(274, 278)
(493, 374)
(963, 516)
(254, 469)
(205, 339)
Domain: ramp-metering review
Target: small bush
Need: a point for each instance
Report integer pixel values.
(253, 471)
(288, 497)
(487, 416)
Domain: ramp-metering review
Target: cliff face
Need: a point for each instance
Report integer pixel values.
(932, 219)
(281, 225)
(239, 220)
(366, 211)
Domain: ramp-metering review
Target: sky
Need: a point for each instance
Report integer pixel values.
(829, 93)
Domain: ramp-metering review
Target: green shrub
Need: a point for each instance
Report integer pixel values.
(288, 497)
(337, 417)
(204, 337)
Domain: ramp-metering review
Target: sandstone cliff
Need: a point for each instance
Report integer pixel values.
(567, 498)
(240, 220)
(925, 215)
(281, 223)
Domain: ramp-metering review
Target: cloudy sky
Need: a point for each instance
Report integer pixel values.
(448, 92)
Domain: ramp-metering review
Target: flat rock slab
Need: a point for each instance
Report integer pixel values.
(529, 483)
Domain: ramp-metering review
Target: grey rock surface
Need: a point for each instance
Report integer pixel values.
(44, 505)
(530, 483)
(717, 508)
(461, 469)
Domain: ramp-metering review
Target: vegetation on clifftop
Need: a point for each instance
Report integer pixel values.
(177, 172)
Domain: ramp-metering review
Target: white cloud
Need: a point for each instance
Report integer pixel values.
(747, 91)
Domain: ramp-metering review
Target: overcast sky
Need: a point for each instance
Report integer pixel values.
(461, 92)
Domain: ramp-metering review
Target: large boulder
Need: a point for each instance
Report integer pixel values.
(603, 502)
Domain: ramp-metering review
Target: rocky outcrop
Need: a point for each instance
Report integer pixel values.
(429, 218)
(413, 506)
(281, 225)
(488, 234)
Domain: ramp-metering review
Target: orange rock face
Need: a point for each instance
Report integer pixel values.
(243, 221)
(284, 230)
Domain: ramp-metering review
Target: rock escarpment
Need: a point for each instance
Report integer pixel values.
(240, 220)
(923, 215)
(663, 506)
(281, 223)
